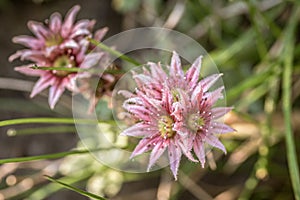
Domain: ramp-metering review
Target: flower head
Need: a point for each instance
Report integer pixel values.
(175, 110)
(59, 44)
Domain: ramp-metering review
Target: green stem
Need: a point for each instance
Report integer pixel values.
(41, 157)
(76, 69)
(80, 191)
(287, 104)
(45, 120)
(40, 130)
(46, 156)
(114, 52)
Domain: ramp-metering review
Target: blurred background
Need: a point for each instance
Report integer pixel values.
(254, 43)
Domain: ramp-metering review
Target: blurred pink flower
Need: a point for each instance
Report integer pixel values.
(175, 112)
(60, 43)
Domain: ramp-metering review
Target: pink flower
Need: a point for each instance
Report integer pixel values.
(156, 128)
(57, 44)
(175, 112)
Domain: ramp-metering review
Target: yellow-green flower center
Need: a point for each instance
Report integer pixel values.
(53, 40)
(165, 125)
(63, 62)
(195, 122)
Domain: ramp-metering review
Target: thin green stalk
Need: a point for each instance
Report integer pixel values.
(40, 130)
(48, 189)
(76, 69)
(42, 157)
(45, 120)
(72, 69)
(80, 191)
(287, 103)
(260, 41)
(114, 52)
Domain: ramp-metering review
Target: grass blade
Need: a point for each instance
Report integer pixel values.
(45, 120)
(287, 103)
(80, 191)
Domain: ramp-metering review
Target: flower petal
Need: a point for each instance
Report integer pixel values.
(158, 149)
(55, 92)
(157, 72)
(174, 158)
(28, 41)
(192, 75)
(209, 81)
(25, 69)
(55, 22)
(139, 130)
(176, 71)
(99, 34)
(144, 145)
(220, 111)
(42, 84)
(215, 142)
(80, 32)
(199, 150)
(219, 128)
(91, 60)
(38, 29)
(215, 95)
(69, 21)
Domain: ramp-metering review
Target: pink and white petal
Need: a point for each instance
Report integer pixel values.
(28, 41)
(197, 95)
(215, 142)
(177, 111)
(55, 22)
(144, 79)
(42, 84)
(55, 92)
(38, 29)
(27, 70)
(176, 71)
(185, 146)
(99, 34)
(158, 149)
(214, 96)
(80, 32)
(84, 24)
(27, 54)
(193, 73)
(199, 151)
(91, 60)
(69, 21)
(82, 52)
(174, 158)
(220, 128)
(69, 44)
(144, 145)
(157, 72)
(207, 82)
(220, 111)
(16, 55)
(139, 130)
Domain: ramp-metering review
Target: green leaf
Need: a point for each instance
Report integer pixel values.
(80, 191)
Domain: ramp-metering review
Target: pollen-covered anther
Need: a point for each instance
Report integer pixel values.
(165, 127)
